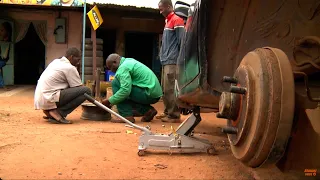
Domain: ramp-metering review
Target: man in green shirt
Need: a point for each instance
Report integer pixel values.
(135, 87)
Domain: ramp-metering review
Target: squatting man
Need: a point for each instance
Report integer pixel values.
(135, 87)
(59, 89)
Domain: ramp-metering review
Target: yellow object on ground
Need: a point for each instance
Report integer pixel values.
(129, 132)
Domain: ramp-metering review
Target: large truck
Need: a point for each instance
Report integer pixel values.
(256, 63)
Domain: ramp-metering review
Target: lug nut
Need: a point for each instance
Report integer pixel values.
(230, 130)
(238, 90)
(228, 79)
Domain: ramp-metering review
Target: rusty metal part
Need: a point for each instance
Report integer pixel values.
(229, 106)
(229, 130)
(287, 107)
(228, 79)
(278, 24)
(305, 76)
(238, 90)
(243, 119)
(266, 110)
(200, 97)
(306, 55)
(314, 117)
(94, 113)
(304, 145)
(306, 42)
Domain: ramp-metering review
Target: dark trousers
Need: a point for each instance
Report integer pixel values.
(2, 64)
(169, 74)
(71, 98)
(138, 100)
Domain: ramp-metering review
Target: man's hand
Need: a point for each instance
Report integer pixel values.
(106, 103)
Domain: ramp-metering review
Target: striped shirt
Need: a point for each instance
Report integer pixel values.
(171, 39)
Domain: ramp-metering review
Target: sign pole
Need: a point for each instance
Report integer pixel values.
(83, 38)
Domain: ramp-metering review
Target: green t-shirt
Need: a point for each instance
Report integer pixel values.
(133, 73)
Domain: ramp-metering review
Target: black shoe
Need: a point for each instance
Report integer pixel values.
(148, 116)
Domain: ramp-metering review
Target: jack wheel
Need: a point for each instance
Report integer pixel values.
(212, 151)
(141, 153)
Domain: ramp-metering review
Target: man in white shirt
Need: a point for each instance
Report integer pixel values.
(59, 90)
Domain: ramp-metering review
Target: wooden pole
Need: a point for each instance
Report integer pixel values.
(83, 39)
(94, 52)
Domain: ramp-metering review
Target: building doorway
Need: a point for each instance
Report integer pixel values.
(29, 58)
(109, 41)
(141, 46)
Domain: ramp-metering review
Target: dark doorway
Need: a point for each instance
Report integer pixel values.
(29, 58)
(109, 37)
(140, 46)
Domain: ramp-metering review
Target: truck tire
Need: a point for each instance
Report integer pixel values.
(87, 70)
(89, 53)
(88, 62)
(99, 41)
(90, 77)
(90, 47)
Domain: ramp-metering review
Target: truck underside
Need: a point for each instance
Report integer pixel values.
(258, 63)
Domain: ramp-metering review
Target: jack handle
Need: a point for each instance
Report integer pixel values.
(100, 105)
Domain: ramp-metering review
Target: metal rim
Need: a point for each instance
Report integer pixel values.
(91, 112)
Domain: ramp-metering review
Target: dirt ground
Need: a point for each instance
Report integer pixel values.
(32, 148)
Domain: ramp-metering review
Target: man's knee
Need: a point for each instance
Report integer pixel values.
(87, 90)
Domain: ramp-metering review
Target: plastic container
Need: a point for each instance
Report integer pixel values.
(109, 76)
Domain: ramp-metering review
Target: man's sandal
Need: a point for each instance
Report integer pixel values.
(61, 121)
(46, 117)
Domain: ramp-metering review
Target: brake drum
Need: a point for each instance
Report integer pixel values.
(259, 107)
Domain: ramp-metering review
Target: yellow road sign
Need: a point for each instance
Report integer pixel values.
(95, 17)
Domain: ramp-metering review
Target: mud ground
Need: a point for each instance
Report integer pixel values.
(32, 148)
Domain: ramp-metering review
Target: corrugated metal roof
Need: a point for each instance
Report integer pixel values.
(153, 4)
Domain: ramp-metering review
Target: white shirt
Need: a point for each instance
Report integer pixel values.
(60, 74)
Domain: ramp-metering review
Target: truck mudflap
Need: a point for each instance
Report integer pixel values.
(192, 87)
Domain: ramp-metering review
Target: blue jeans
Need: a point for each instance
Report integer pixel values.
(2, 64)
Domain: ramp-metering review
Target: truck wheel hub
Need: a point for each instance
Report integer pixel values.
(260, 106)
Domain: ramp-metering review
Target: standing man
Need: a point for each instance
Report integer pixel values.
(59, 90)
(169, 52)
(5, 36)
(135, 87)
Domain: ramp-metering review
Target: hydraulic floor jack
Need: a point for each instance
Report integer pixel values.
(181, 140)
